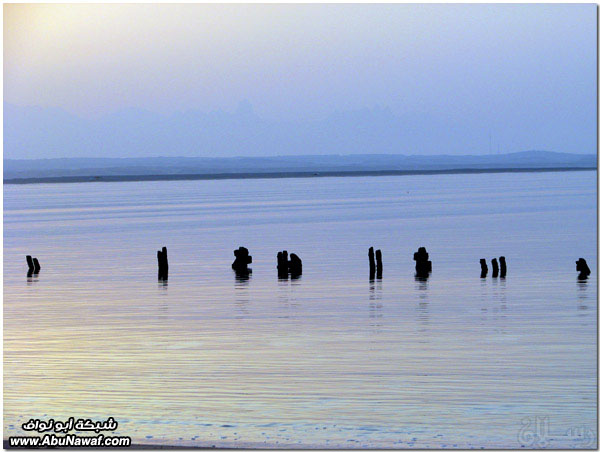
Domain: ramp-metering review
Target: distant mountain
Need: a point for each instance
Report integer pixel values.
(68, 167)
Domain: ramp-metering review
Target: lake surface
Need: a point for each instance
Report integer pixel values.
(327, 360)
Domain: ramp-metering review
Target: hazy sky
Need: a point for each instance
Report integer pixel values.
(524, 73)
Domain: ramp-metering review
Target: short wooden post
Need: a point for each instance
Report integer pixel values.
(494, 268)
(286, 267)
(371, 263)
(484, 268)
(423, 264)
(163, 264)
(282, 265)
(242, 259)
(582, 268)
(31, 266)
(29, 263)
(379, 264)
(502, 266)
(295, 265)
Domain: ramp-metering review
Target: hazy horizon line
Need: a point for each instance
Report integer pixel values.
(306, 155)
(280, 175)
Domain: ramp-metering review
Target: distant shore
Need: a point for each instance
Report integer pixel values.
(280, 175)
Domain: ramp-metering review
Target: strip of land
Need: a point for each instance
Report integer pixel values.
(280, 175)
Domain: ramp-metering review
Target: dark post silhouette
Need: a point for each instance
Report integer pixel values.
(280, 264)
(502, 266)
(242, 259)
(379, 264)
(285, 267)
(494, 268)
(295, 265)
(484, 268)
(33, 265)
(163, 264)
(29, 264)
(159, 260)
(582, 268)
(423, 264)
(371, 263)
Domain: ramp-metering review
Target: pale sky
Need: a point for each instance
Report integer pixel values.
(524, 73)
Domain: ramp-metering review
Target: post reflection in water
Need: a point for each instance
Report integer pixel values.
(287, 295)
(582, 297)
(283, 295)
(494, 306)
(421, 285)
(163, 304)
(242, 295)
(375, 305)
(483, 299)
(501, 316)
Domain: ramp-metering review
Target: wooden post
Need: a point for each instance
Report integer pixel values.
(36, 266)
(423, 264)
(502, 266)
(484, 268)
(286, 267)
(379, 264)
(242, 259)
(163, 264)
(282, 265)
(30, 266)
(295, 265)
(494, 268)
(582, 268)
(371, 263)
(30, 263)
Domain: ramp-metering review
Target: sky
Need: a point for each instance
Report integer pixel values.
(455, 79)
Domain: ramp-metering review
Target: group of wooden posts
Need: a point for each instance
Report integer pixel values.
(484, 267)
(421, 258)
(293, 266)
(33, 266)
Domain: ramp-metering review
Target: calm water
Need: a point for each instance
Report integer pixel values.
(330, 359)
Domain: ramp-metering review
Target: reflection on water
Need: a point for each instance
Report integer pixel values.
(375, 305)
(163, 284)
(582, 286)
(242, 294)
(499, 306)
(582, 297)
(289, 302)
(422, 307)
(242, 277)
(211, 358)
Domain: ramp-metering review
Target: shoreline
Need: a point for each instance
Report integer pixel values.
(279, 175)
